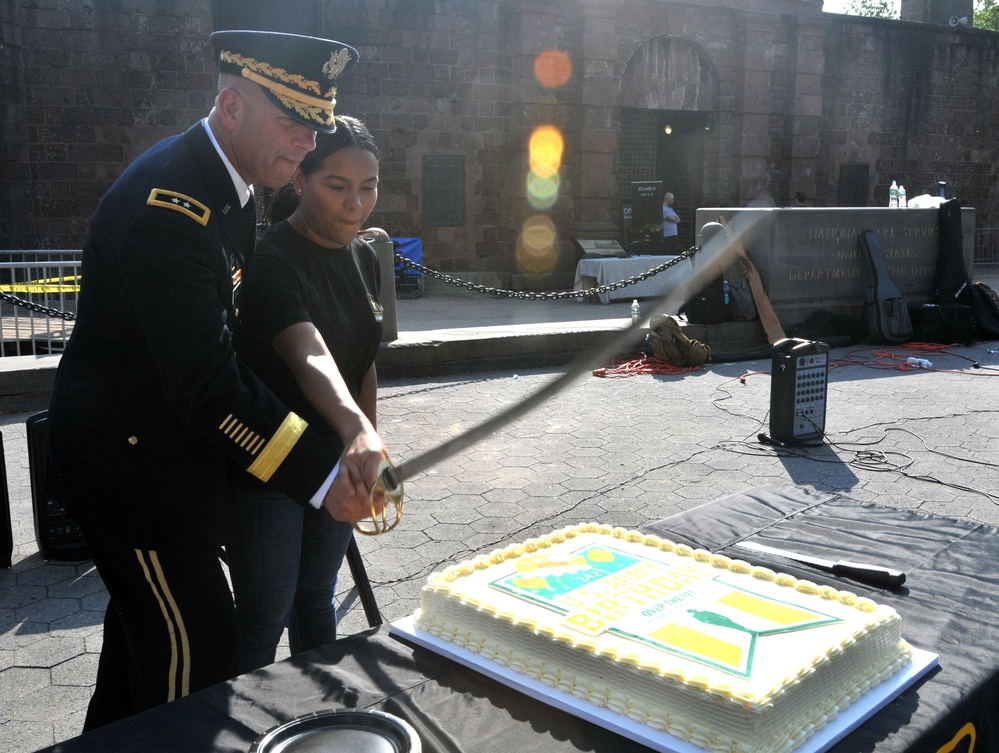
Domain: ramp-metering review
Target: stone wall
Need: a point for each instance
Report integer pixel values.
(918, 103)
(91, 85)
(938, 11)
(15, 169)
(449, 90)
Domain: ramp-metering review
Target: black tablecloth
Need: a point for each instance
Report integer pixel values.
(949, 604)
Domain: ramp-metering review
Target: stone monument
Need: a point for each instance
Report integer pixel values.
(809, 261)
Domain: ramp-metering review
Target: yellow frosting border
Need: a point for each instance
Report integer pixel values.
(442, 581)
(452, 573)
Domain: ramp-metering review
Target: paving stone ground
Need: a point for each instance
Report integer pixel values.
(626, 451)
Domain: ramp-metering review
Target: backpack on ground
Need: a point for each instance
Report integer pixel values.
(944, 323)
(985, 310)
(668, 343)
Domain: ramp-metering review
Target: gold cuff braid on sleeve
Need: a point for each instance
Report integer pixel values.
(277, 449)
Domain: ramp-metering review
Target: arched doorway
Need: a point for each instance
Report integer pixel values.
(668, 101)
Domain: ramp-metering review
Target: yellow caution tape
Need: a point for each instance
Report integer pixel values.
(50, 285)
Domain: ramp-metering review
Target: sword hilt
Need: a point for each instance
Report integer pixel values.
(388, 486)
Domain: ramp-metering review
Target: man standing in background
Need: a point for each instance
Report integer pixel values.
(670, 222)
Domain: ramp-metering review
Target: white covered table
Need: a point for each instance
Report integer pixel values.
(592, 273)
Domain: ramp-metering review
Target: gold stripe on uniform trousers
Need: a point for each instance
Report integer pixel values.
(179, 655)
(277, 449)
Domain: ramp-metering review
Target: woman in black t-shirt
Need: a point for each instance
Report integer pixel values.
(310, 326)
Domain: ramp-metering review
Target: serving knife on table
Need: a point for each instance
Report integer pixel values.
(862, 572)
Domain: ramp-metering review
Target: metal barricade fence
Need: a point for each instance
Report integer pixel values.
(987, 245)
(41, 280)
(47, 279)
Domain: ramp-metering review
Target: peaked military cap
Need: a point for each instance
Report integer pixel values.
(297, 73)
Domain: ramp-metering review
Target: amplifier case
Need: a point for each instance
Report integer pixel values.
(58, 536)
(798, 386)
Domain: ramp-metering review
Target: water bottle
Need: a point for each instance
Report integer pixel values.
(725, 287)
(902, 201)
(921, 363)
(635, 311)
(893, 195)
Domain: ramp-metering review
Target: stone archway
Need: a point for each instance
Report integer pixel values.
(669, 73)
(668, 99)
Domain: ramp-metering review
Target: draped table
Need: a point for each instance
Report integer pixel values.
(592, 273)
(949, 605)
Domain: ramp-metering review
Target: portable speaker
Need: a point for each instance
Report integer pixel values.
(798, 382)
(58, 536)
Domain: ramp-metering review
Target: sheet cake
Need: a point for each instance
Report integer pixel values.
(725, 655)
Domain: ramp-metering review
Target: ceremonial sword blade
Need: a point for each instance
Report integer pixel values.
(693, 273)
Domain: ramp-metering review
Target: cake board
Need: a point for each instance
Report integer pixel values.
(860, 711)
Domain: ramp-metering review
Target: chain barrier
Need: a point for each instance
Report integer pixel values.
(542, 296)
(37, 307)
(530, 295)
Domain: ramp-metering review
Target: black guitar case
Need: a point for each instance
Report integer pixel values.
(949, 318)
(952, 285)
(886, 314)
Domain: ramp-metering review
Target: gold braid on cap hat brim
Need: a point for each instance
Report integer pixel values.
(317, 109)
(311, 108)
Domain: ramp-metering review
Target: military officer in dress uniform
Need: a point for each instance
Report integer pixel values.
(150, 400)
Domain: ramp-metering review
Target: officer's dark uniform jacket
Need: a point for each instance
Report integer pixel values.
(149, 399)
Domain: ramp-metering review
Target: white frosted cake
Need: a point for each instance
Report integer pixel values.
(727, 656)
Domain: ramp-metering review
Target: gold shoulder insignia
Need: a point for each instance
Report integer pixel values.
(160, 197)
